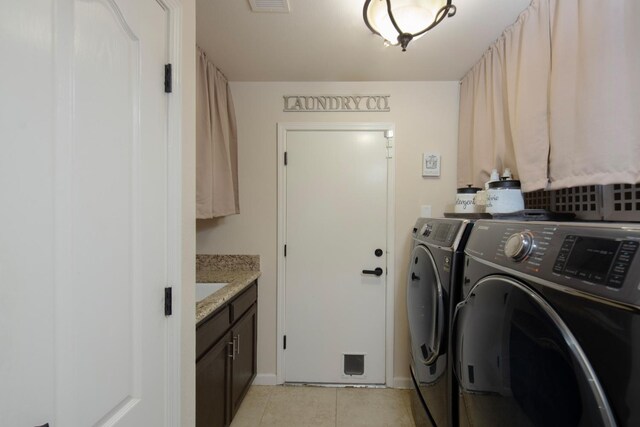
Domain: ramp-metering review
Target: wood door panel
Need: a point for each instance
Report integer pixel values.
(244, 365)
(104, 178)
(211, 331)
(212, 385)
(243, 302)
(27, 268)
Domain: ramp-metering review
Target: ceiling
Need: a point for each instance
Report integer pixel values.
(327, 40)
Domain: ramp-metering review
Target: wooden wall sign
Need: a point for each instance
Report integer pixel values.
(336, 103)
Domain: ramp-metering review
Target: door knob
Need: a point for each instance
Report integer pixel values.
(378, 271)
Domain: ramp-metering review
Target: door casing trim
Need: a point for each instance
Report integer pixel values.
(282, 129)
(174, 409)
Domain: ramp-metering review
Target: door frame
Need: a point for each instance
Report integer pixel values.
(175, 220)
(389, 129)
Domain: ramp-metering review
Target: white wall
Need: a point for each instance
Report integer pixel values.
(426, 119)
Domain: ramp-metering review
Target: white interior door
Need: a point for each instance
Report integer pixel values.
(84, 268)
(336, 219)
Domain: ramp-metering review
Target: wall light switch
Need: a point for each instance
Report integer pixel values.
(430, 164)
(425, 211)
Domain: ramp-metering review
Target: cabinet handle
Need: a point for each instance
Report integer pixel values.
(236, 346)
(238, 349)
(232, 344)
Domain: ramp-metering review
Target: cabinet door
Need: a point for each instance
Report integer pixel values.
(244, 365)
(213, 374)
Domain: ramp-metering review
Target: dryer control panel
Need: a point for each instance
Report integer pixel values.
(441, 232)
(596, 258)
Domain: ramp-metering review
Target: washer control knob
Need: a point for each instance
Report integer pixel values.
(519, 246)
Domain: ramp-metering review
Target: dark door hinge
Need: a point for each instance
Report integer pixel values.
(167, 78)
(168, 304)
(286, 158)
(285, 250)
(284, 342)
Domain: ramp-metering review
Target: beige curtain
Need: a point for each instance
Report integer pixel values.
(484, 134)
(568, 75)
(595, 93)
(467, 158)
(216, 144)
(527, 67)
(503, 105)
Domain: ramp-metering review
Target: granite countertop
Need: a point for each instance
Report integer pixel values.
(237, 270)
(238, 281)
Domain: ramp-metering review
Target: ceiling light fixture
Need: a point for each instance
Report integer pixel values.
(405, 20)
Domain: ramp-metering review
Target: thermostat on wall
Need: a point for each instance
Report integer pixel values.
(430, 164)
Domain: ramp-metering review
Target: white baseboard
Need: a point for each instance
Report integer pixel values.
(265, 379)
(272, 379)
(402, 382)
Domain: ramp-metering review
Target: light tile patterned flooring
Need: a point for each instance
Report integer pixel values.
(298, 406)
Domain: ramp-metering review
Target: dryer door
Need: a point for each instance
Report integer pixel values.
(426, 310)
(517, 363)
(425, 307)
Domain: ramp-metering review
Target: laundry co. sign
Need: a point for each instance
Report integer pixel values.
(333, 103)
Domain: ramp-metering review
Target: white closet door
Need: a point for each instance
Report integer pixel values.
(85, 261)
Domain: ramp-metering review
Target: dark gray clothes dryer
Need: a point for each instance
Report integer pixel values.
(433, 284)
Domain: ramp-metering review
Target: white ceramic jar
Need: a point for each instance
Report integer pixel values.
(504, 197)
(465, 200)
(481, 200)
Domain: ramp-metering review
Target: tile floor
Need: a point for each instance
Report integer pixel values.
(297, 406)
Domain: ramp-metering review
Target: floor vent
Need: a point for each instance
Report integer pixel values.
(354, 364)
(278, 6)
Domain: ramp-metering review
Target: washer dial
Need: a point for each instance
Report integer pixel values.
(519, 246)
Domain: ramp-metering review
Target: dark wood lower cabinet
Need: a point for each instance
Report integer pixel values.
(226, 362)
(213, 373)
(244, 365)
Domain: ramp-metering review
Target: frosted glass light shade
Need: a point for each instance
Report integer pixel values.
(412, 16)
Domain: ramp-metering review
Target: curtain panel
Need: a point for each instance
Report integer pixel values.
(503, 105)
(216, 144)
(556, 98)
(595, 93)
(527, 67)
(484, 133)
